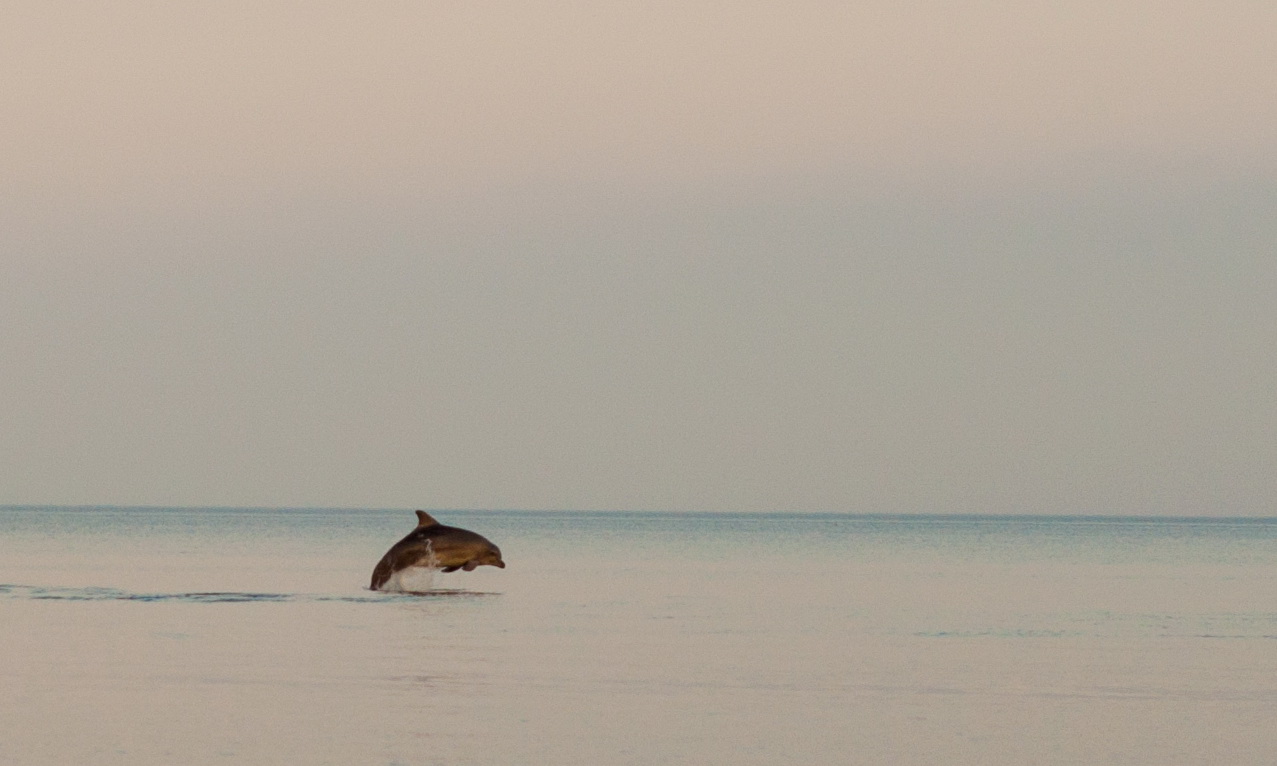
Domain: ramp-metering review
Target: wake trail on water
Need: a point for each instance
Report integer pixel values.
(45, 593)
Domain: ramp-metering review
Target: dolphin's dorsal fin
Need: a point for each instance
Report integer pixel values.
(425, 520)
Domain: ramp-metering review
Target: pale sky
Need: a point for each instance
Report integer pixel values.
(914, 257)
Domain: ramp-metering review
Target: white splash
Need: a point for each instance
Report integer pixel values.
(411, 580)
(415, 579)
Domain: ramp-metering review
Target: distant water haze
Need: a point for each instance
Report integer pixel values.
(876, 257)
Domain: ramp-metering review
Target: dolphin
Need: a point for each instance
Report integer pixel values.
(436, 546)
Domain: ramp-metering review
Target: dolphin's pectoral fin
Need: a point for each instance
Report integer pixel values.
(470, 565)
(451, 569)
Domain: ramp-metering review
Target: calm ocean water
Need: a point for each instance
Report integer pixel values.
(167, 636)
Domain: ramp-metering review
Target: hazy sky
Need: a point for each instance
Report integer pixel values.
(866, 257)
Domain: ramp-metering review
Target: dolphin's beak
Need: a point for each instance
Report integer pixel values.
(500, 564)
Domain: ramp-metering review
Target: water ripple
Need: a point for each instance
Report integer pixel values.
(47, 593)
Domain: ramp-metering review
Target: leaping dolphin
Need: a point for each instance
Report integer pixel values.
(436, 546)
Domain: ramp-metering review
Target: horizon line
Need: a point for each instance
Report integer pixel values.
(956, 515)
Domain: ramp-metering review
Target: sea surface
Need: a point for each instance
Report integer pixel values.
(209, 636)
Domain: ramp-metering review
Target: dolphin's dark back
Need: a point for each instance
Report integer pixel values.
(421, 534)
